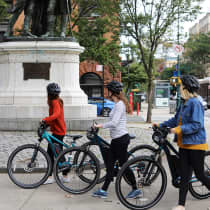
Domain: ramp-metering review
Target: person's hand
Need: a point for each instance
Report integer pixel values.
(172, 130)
(155, 124)
(98, 125)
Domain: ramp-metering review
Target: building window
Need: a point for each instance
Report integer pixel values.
(91, 84)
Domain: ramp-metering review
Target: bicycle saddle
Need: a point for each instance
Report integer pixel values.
(75, 136)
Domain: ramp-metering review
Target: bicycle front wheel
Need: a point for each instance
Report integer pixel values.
(85, 165)
(29, 166)
(143, 168)
(196, 188)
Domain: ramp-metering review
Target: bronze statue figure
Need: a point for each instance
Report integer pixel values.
(57, 8)
(40, 17)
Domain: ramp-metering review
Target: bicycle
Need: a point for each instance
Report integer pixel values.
(146, 167)
(100, 147)
(29, 165)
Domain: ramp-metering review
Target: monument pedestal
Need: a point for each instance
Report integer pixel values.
(25, 70)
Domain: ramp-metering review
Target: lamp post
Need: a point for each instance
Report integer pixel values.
(178, 100)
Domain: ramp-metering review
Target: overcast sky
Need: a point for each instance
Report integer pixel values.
(205, 8)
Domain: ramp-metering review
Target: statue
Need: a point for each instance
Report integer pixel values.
(40, 17)
(56, 8)
(16, 11)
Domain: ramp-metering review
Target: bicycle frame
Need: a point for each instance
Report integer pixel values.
(167, 147)
(48, 137)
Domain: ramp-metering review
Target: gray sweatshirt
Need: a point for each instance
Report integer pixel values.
(117, 123)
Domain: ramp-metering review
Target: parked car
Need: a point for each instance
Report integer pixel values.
(98, 101)
(204, 103)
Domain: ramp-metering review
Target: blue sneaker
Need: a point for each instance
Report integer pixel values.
(100, 194)
(134, 194)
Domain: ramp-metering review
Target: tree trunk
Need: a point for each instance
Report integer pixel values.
(150, 99)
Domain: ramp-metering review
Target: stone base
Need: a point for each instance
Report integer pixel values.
(33, 124)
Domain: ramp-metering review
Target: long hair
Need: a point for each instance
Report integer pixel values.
(186, 94)
(122, 97)
(53, 97)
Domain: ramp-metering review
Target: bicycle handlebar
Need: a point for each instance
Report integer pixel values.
(160, 134)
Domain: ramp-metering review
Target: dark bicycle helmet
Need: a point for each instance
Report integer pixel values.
(53, 89)
(190, 83)
(115, 87)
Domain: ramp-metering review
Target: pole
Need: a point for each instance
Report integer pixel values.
(103, 89)
(137, 109)
(178, 69)
(69, 15)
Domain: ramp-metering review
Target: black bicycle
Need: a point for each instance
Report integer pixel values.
(146, 167)
(29, 165)
(100, 148)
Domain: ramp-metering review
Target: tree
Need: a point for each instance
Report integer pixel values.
(197, 53)
(149, 22)
(91, 23)
(3, 9)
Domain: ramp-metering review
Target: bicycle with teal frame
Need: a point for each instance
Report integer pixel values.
(29, 165)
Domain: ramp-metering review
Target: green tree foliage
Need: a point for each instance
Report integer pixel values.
(148, 23)
(132, 75)
(3, 9)
(198, 53)
(93, 20)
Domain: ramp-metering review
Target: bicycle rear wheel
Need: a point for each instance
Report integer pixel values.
(86, 165)
(93, 147)
(29, 166)
(143, 168)
(196, 188)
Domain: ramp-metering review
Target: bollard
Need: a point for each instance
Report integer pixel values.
(137, 109)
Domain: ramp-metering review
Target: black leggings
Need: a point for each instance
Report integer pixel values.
(51, 154)
(191, 160)
(118, 151)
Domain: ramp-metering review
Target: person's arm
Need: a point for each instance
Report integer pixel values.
(196, 120)
(172, 122)
(56, 112)
(118, 110)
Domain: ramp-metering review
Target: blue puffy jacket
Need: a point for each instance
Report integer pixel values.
(192, 117)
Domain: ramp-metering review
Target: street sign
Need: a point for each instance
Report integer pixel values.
(99, 67)
(178, 49)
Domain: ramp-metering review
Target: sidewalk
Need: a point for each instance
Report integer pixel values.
(51, 197)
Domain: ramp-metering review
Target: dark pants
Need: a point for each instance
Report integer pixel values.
(51, 154)
(118, 151)
(191, 160)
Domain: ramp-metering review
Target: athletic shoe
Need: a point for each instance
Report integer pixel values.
(134, 194)
(179, 208)
(65, 179)
(100, 194)
(50, 180)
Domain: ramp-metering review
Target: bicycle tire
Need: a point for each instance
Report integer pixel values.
(133, 150)
(149, 149)
(13, 171)
(193, 188)
(100, 158)
(92, 164)
(120, 190)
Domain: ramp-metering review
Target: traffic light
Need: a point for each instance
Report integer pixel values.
(175, 81)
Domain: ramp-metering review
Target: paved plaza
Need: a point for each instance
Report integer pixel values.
(51, 197)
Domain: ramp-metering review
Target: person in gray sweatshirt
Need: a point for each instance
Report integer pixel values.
(120, 140)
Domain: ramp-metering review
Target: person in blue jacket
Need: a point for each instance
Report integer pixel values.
(188, 125)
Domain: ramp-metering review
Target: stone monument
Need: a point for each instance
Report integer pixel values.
(29, 62)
